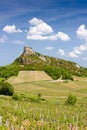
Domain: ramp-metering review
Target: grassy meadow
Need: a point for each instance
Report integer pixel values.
(52, 90)
(47, 112)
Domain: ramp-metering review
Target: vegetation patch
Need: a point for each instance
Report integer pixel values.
(15, 97)
(23, 97)
(71, 100)
(6, 88)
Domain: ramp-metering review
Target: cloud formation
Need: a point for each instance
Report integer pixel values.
(78, 50)
(11, 29)
(61, 52)
(82, 34)
(63, 36)
(39, 30)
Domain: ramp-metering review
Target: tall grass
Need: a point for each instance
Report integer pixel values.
(30, 113)
(42, 115)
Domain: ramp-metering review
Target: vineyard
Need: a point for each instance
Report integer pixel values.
(41, 106)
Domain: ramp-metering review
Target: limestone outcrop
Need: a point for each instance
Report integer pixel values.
(28, 51)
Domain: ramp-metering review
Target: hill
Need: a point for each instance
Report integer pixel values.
(54, 67)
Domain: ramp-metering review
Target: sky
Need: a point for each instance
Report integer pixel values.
(55, 28)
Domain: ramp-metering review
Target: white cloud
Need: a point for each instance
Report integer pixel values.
(37, 37)
(35, 21)
(39, 30)
(72, 54)
(39, 27)
(63, 36)
(49, 48)
(61, 52)
(11, 29)
(60, 35)
(78, 50)
(82, 34)
(3, 39)
(18, 42)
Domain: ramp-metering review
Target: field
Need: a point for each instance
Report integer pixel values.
(41, 106)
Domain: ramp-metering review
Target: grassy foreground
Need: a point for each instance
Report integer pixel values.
(47, 114)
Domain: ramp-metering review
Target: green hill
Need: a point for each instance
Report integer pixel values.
(54, 67)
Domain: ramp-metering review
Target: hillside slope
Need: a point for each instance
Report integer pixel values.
(31, 60)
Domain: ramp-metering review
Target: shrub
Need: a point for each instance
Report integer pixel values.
(71, 100)
(15, 97)
(6, 88)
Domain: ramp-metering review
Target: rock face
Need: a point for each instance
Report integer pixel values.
(28, 51)
(25, 58)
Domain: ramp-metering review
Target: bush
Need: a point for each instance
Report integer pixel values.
(15, 97)
(6, 88)
(71, 100)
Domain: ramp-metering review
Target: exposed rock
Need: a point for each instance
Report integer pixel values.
(26, 60)
(28, 51)
(42, 58)
(77, 66)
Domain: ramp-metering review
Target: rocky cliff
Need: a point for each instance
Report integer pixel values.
(28, 51)
(29, 56)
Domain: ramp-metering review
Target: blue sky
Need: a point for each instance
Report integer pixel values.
(52, 27)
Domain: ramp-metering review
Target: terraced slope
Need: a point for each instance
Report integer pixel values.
(29, 76)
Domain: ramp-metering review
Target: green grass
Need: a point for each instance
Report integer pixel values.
(46, 115)
(49, 114)
(53, 89)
